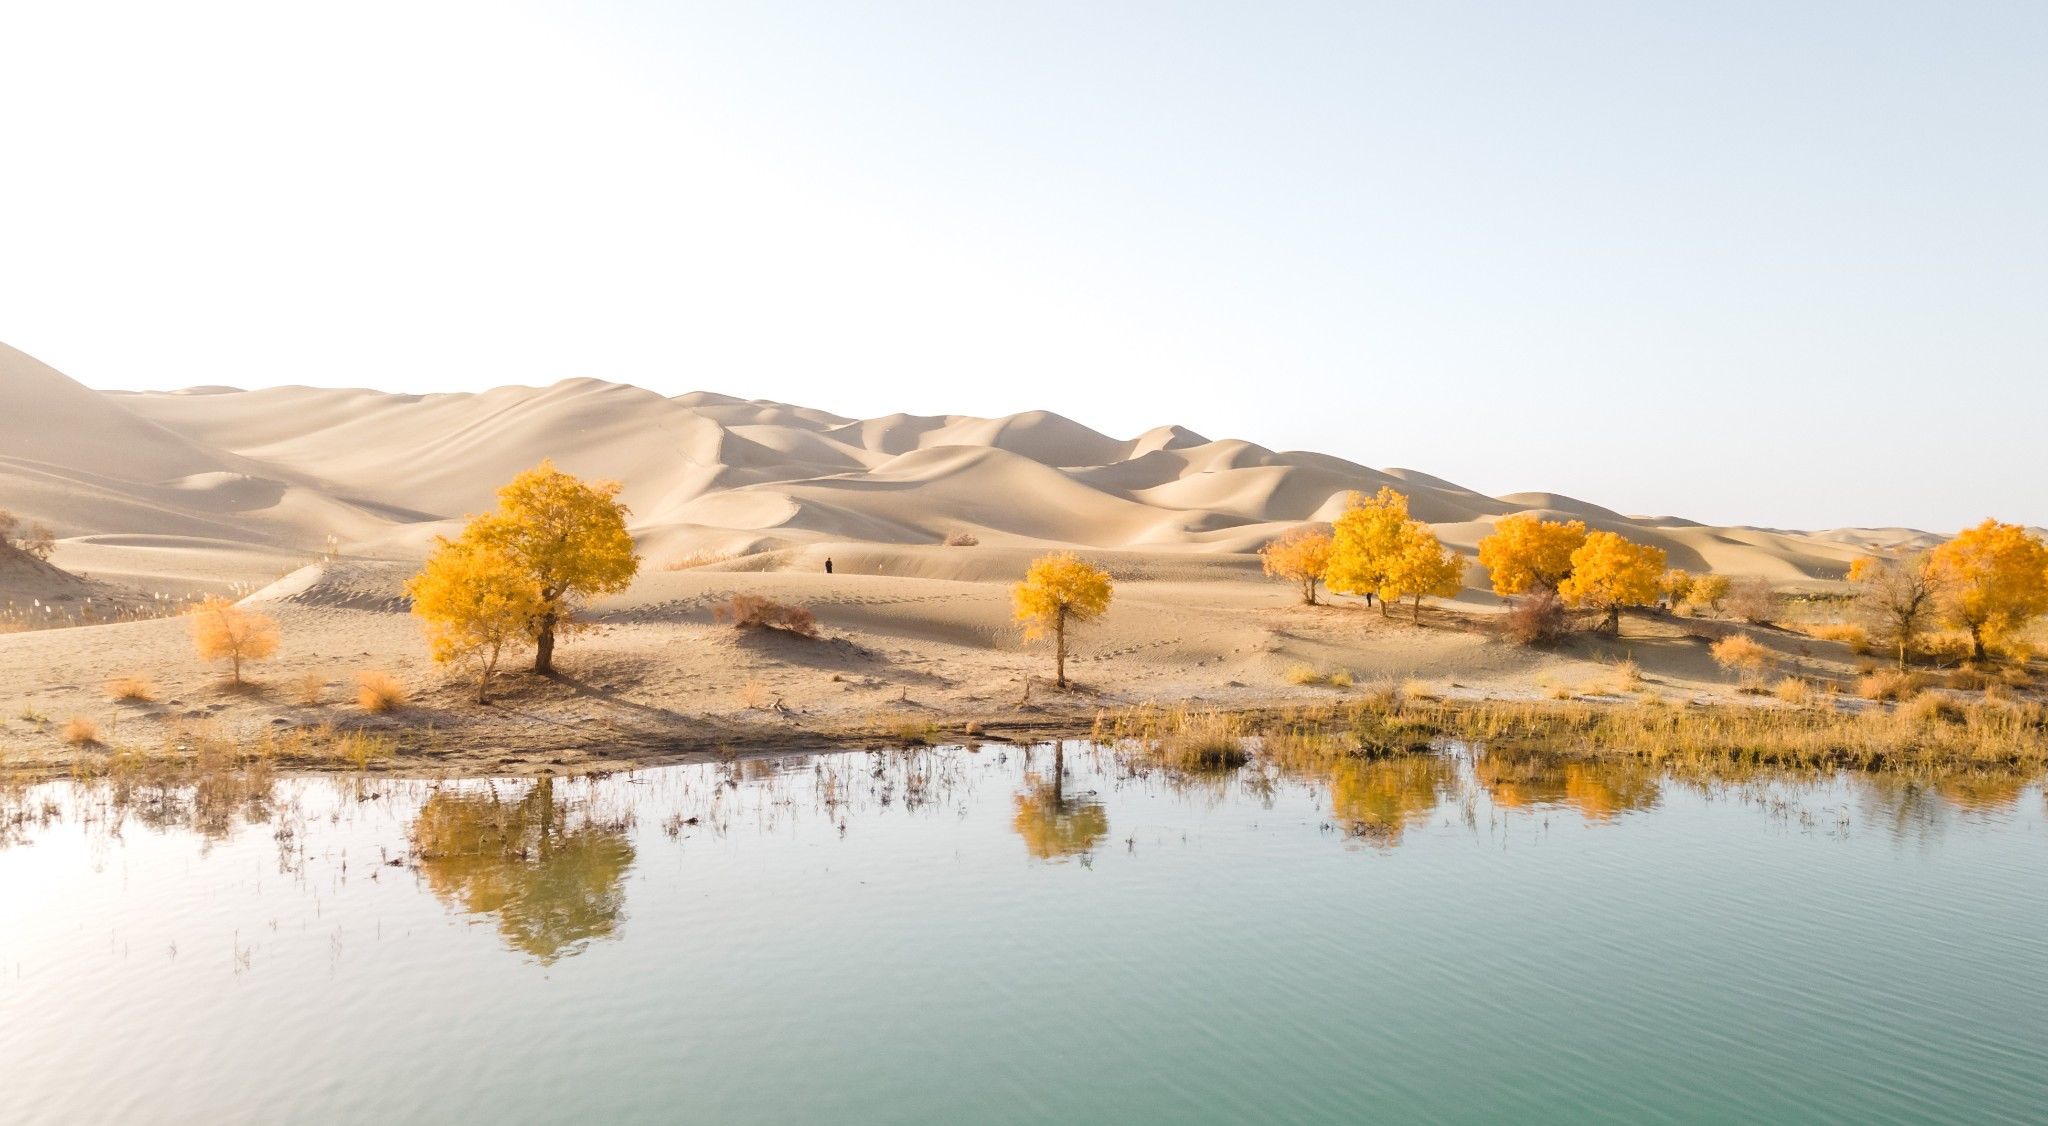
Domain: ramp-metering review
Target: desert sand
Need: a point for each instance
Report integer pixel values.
(316, 504)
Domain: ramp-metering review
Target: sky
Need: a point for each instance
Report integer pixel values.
(1767, 263)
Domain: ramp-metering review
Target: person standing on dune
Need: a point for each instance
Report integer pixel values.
(828, 564)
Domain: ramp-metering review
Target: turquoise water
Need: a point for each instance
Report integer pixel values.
(940, 937)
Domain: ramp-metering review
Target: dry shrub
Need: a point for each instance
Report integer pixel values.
(2016, 676)
(1303, 675)
(1929, 707)
(1413, 689)
(80, 731)
(754, 694)
(1794, 691)
(1847, 633)
(1740, 654)
(1536, 620)
(311, 689)
(754, 611)
(696, 559)
(379, 692)
(1340, 679)
(1891, 685)
(1950, 647)
(131, 690)
(1969, 678)
(961, 539)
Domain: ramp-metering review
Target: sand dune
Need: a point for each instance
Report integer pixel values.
(285, 468)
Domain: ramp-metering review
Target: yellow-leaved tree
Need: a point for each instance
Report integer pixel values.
(1425, 568)
(1058, 591)
(1378, 549)
(1609, 573)
(1525, 553)
(1990, 580)
(223, 631)
(567, 537)
(1368, 539)
(1301, 556)
(476, 604)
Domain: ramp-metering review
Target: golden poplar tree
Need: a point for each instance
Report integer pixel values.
(1609, 573)
(567, 537)
(1058, 591)
(1990, 580)
(1525, 552)
(476, 604)
(224, 631)
(1378, 549)
(1424, 568)
(1368, 540)
(1301, 556)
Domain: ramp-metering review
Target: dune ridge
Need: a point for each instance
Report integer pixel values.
(705, 473)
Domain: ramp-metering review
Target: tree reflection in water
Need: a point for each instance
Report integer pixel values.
(1053, 825)
(1599, 789)
(552, 885)
(1378, 800)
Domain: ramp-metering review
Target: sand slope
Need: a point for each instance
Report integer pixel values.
(285, 468)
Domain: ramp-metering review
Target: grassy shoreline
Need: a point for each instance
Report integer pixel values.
(1932, 731)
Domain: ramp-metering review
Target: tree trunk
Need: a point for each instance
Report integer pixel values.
(1308, 591)
(1059, 772)
(1614, 619)
(1977, 643)
(1059, 638)
(1383, 609)
(1418, 609)
(544, 646)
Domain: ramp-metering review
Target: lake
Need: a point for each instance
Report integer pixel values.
(956, 935)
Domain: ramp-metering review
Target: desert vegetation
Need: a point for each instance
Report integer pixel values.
(755, 611)
(225, 631)
(1059, 592)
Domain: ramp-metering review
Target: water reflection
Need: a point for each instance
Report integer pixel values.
(1053, 825)
(553, 877)
(1599, 789)
(1379, 800)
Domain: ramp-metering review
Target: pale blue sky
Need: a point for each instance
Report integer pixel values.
(1772, 263)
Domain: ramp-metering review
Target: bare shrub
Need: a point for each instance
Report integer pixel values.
(80, 731)
(754, 611)
(1752, 600)
(311, 690)
(1536, 619)
(379, 692)
(961, 539)
(755, 695)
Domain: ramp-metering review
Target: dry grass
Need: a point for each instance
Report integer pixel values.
(1180, 738)
(1969, 678)
(80, 731)
(1302, 675)
(1846, 633)
(379, 692)
(1892, 685)
(131, 690)
(961, 539)
(1341, 679)
(755, 694)
(696, 559)
(1794, 691)
(310, 690)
